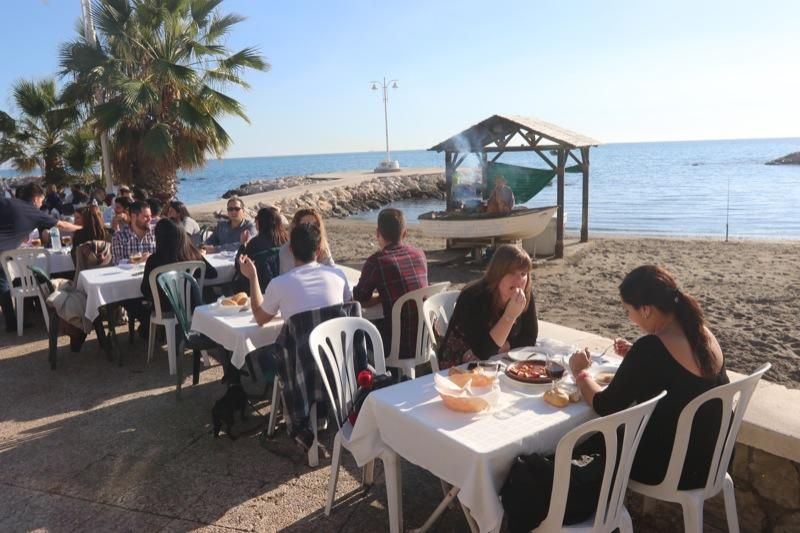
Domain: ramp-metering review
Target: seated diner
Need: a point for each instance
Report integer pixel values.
(307, 216)
(230, 234)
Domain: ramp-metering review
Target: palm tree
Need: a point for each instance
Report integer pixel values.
(161, 66)
(82, 153)
(36, 139)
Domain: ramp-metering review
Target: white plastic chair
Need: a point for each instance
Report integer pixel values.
(332, 342)
(15, 264)
(167, 319)
(437, 311)
(692, 501)
(611, 513)
(422, 346)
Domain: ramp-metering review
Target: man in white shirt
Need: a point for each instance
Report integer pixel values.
(309, 286)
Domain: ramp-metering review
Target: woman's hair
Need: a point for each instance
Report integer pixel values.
(172, 244)
(324, 249)
(652, 285)
(92, 220)
(506, 260)
(180, 208)
(269, 222)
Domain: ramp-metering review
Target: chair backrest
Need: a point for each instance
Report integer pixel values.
(332, 346)
(734, 398)
(615, 475)
(422, 347)
(91, 254)
(183, 294)
(16, 263)
(46, 287)
(196, 269)
(436, 312)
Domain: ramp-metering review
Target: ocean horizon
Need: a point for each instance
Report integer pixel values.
(678, 188)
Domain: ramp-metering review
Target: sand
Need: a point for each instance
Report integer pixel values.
(749, 289)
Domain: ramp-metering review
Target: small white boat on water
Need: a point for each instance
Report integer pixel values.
(521, 223)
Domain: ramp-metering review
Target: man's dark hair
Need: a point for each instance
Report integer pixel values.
(124, 201)
(140, 195)
(304, 241)
(30, 191)
(155, 206)
(137, 207)
(391, 224)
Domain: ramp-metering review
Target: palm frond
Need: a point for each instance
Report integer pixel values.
(220, 25)
(201, 9)
(245, 58)
(157, 142)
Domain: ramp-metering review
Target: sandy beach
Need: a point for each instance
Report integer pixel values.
(749, 289)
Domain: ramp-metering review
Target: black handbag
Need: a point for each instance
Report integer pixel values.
(526, 492)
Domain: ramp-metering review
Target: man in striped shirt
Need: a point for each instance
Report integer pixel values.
(393, 271)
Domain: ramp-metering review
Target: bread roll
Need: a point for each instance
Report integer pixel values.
(229, 302)
(575, 396)
(556, 397)
(240, 298)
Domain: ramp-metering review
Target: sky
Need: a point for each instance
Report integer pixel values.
(616, 70)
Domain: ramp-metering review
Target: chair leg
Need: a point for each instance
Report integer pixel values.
(692, 516)
(171, 348)
(625, 523)
(20, 301)
(195, 367)
(368, 477)
(206, 359)
(394, 490)
(45, 312)
(100, 332)
(179, 372)
(337, 453)
(131, 328)
(273, 410)
(412, 372)
(151, 340)
(313, 451)
(52, 337)
(730, 504)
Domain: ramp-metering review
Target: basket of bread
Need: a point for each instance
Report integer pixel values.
(468, 391)
(230, 305)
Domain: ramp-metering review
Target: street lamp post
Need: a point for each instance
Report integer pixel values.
(387, 165)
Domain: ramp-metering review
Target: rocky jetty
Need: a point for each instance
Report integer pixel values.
(255, 187)
(342, 201)
(791, 159)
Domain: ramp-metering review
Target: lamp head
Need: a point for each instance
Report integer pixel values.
(374, 87)
(394, 85)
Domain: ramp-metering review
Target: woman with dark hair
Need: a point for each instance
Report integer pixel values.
(172, 246)
(678, 354)
(178, 213)
(495, 313)
(271, 235)
(92, 228)
(307, 215)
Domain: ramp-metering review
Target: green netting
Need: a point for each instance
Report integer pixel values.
(525, 182)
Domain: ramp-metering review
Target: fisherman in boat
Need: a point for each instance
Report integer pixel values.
(501, 200)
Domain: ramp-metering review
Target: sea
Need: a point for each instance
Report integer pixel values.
(684, 188)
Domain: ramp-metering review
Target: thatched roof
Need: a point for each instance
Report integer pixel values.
(486, 132)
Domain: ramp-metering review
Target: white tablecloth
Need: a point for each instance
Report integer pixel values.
(241, 334)
(472, 452)
(114, 284)
(61, 261)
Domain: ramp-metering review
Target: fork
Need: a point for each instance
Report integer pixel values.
(604, 351)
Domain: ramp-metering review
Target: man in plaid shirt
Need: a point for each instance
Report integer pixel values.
(136, 237)
(393, 271)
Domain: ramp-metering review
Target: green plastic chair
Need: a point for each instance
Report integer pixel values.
(184, 294)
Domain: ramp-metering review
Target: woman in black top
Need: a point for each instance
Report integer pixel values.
(92, 229)
(271, 235)
(680, 355)
(495, 313)
(172, 246)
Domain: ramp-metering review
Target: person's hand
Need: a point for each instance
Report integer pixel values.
(244, 237)
(247, 267)
(621, 347)
(516, 305)
(579, 361)
(468, 357)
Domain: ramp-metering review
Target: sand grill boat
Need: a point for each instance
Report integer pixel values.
(497, 135)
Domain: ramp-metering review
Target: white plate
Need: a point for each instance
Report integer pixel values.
(598, 369)
(227, 310)
(524, 353)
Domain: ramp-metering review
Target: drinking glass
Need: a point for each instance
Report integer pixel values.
(555, 369)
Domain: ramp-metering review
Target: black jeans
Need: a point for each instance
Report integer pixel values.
(5, 302)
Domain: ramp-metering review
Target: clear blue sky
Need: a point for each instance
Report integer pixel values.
(618, 70)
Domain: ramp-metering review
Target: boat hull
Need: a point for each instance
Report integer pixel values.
(520, 224)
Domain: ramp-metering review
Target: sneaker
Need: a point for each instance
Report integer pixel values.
(304, 438)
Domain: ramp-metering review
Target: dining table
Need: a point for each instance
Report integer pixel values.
(240, 334)
(472, 452)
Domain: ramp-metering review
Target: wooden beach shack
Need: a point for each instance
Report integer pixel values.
(499, 134)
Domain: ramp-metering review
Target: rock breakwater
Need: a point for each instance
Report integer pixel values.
(255, 187)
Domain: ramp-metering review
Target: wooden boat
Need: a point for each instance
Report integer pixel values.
(524, 223)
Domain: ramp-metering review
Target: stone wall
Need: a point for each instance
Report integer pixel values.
(339, 202)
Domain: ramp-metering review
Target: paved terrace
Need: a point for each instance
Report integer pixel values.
(94, 446)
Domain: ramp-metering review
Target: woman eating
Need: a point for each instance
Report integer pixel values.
(172, 246)
(678, 354)
(495, 313)
(306, 216)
